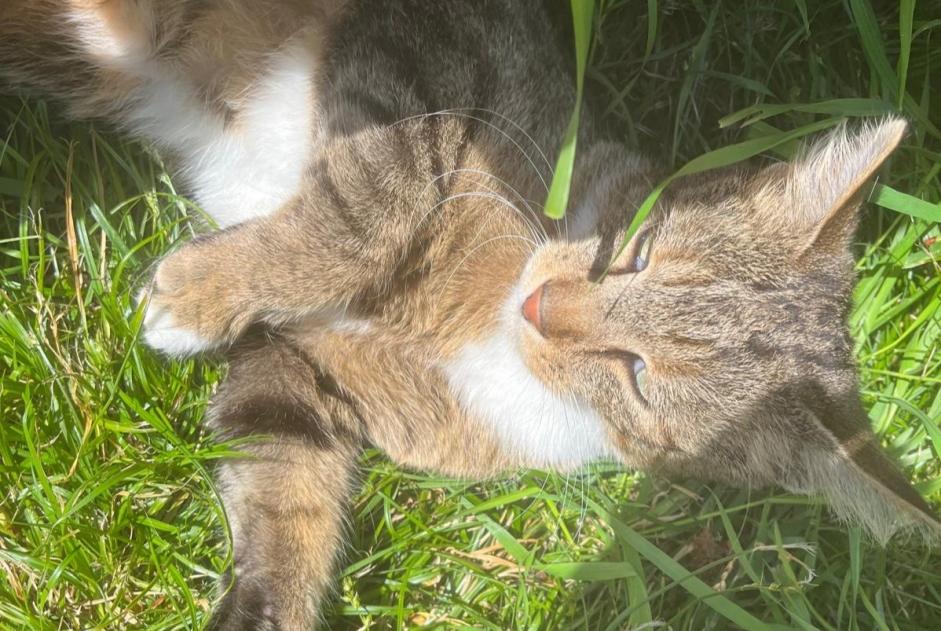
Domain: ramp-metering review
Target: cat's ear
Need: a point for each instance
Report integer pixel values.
(826, 182)
(858, 480)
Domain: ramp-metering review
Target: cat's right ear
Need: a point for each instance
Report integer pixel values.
(826, 183)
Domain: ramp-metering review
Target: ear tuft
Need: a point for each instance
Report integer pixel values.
(827, 180)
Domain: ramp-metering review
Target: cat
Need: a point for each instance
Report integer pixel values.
(384, 275)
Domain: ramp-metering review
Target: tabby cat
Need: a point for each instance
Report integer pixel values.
(385, 276)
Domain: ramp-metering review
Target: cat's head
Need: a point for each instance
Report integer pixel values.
(717, 345)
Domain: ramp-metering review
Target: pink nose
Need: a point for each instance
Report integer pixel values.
(531, 308)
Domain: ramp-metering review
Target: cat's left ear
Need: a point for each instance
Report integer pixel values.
(826, 183)
(848, 467)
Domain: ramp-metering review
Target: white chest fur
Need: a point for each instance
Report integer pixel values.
(254, 168)
(492, 382)
(248, 169)
(238, 171)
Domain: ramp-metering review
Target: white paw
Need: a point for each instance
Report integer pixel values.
(160, 333)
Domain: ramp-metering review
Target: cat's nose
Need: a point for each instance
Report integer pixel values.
(532, 307)
(564, 308)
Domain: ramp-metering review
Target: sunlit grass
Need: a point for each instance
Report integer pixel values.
(108, 518)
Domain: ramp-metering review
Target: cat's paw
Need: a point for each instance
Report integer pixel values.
(247, 609)
(190, 305)
(163, 334)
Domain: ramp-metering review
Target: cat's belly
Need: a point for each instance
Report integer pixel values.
(243, 153)
(253, 165)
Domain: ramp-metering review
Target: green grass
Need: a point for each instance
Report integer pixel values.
(108, 517)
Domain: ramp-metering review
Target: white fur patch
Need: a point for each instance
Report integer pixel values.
(492, 382)
(246, 170)
(256, 167)
(355, 326)
(162, 334)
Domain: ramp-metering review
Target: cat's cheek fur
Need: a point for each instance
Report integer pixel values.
(491, 380)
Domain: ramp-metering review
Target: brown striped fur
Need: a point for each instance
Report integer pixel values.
(344, 312)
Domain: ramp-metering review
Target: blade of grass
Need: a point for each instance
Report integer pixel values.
(906, 17)
(860, 107)
(867, 27)
(588, 570)
(692, 584)
(652, 16)
(558, 198)
(888, 197)
(637, 593)
(695, 67)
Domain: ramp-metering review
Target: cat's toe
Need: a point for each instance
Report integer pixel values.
(162, 332)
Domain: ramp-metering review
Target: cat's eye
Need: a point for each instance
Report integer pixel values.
(639, 369)
(636, 369)
(642, 255)
(637, 255)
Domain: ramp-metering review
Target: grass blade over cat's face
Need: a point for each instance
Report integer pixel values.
(717, 346)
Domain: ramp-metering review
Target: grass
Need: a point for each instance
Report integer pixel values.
(108, 517)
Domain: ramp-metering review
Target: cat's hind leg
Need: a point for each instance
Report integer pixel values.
(286, 497)
(88, 54)
(226, 87)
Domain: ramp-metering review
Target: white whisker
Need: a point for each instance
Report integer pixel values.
(532, 140)
(488, 124)
(531, 224)
(536, 238)
(488, 241)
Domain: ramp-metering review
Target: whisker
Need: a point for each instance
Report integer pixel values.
(532, 140)
(466, 171)
(488, 241)
(461, 110)
(620, 295)
(581, 475)
(537, 239)
(531, 229)
(512, 140)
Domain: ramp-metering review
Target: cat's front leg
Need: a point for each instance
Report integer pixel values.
(200, 297)
(366, 212)
(205, 295)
